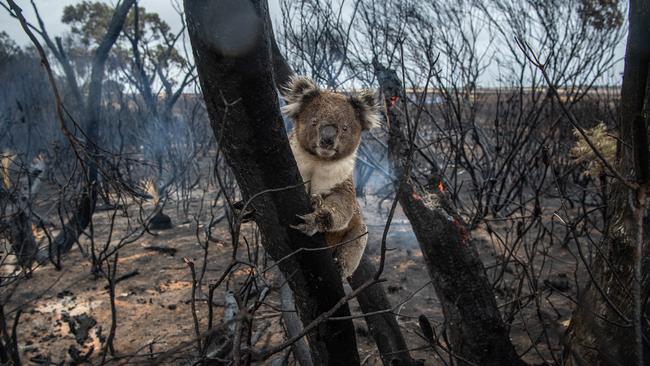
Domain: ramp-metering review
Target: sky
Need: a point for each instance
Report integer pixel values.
(52, 10)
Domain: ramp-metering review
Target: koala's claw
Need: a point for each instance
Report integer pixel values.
(316, 201)
(309, 227)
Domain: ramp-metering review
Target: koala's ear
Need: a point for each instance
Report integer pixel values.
(367, 108)
(298, 91)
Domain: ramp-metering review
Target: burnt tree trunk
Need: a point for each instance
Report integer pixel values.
(476, 330)
(605, 329)
(231, 43)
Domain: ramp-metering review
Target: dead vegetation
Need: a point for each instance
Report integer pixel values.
(141, 223)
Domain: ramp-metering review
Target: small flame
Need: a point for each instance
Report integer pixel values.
(7, 159)
(38, 234)
(441, 187)
(150, 187)
(393, 101)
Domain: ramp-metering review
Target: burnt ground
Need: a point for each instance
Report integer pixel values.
(67, 312)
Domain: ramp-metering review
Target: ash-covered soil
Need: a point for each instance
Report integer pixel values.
(66, 313)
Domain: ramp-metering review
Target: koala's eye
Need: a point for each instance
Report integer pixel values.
(345, 128)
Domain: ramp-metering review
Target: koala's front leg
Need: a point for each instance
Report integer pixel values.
(333, 214)
(316, 221)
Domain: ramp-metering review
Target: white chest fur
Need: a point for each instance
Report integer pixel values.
(322, 175)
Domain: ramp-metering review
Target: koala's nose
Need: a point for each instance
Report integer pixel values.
(328, 135)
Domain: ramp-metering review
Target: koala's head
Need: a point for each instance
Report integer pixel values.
(328, 124)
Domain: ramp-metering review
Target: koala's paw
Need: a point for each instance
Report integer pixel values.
(316, 201)
(341, 266)
(345, 270)
(309, 227)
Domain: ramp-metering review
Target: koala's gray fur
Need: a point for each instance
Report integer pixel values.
(327, 134)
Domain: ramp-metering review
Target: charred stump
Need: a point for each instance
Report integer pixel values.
(477, 333)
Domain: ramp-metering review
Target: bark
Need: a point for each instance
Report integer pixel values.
(476, 330)
(281, 70)
(605, 329)
(231, 46)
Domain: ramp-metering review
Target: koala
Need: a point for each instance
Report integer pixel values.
(324, 142)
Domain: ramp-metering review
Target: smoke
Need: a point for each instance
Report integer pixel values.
(26, 106)
(169, 146)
